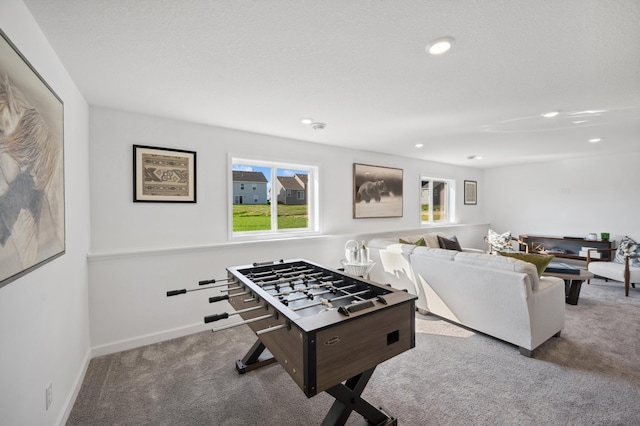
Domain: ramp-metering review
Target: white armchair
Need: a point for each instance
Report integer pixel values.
(621, 267)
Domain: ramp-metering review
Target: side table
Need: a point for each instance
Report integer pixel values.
(357, 268)
(572, 283)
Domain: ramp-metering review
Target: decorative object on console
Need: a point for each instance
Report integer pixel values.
(449, 243)
(539, 260)
(32, 209)
(377, 191)
(537, 246)
(163, 175)
(470, 192)
(604, 236)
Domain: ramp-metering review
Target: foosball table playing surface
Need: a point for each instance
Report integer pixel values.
(327, 329)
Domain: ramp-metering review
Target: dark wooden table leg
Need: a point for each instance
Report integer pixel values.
(252, 361)
(348, 399)
(572, 291)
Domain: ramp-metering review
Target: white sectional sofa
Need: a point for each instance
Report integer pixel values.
(499, 296)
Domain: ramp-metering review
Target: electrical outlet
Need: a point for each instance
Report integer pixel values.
(49, 395)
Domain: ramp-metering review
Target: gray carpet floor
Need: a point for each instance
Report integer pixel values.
(588, 376)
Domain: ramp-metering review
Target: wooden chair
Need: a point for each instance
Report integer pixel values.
(623, 272)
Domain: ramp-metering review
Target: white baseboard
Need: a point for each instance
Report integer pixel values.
(148, 339)
(77, 384)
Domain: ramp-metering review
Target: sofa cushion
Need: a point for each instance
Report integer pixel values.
(449, 243)
(539, 260)
(419, 242)
(436, 253)
(432, 239)
(503, 263)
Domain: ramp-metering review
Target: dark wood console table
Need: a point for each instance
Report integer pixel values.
(565, 247)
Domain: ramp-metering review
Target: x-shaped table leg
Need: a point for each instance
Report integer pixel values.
(348, 399)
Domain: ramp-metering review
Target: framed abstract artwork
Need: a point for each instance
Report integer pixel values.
(470, 192)
(163, 175)
(32, 210)
(377, 191)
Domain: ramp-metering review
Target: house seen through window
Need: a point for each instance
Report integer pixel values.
(437, 200)
(281, 199)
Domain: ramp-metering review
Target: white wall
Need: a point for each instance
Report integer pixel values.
(141, 250)
(567, 198)
(44, 329)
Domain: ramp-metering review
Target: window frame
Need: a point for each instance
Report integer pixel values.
(312, 199)
(450, 202)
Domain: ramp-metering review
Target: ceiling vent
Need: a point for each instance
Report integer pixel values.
(318, 126)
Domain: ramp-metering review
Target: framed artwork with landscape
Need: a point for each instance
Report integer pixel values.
(32, 210)
(377, 191)
(470, 192)
(163, 175)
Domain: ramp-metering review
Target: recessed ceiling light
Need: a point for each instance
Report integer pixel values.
(474, 157)
(419, 145)
(306, 121)
(439, 46)
(551, 114)
(595, 140)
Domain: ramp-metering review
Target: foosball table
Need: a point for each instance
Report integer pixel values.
(327, 329)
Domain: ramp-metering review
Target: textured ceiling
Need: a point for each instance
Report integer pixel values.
(361, 68)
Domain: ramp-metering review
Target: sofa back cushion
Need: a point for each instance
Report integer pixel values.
(501, 262)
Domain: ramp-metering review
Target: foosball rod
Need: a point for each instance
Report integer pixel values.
(225, 315)
(324, 301)
(236, 324)
(184, 290)
(214, 299)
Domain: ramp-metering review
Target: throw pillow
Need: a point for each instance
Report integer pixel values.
(499, 242)
(626, 247)
(420, 242)
(449, 243)
(539, 260)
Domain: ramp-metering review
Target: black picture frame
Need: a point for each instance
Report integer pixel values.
(470, 192)
(32, 197)
(164, 175)
(377, 191)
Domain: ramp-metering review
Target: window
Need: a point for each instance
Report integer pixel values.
(436, 200)
(273, 210)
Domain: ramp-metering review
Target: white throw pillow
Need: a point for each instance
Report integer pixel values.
(499, 242)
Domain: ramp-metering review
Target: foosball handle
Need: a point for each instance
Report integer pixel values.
(218, 298)
(205, 282)
(176, 292)
(216, 317)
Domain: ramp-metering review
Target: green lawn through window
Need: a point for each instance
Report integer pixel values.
(257, 217)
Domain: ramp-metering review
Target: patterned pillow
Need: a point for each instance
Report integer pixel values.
(626, 247)
(499, 242)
